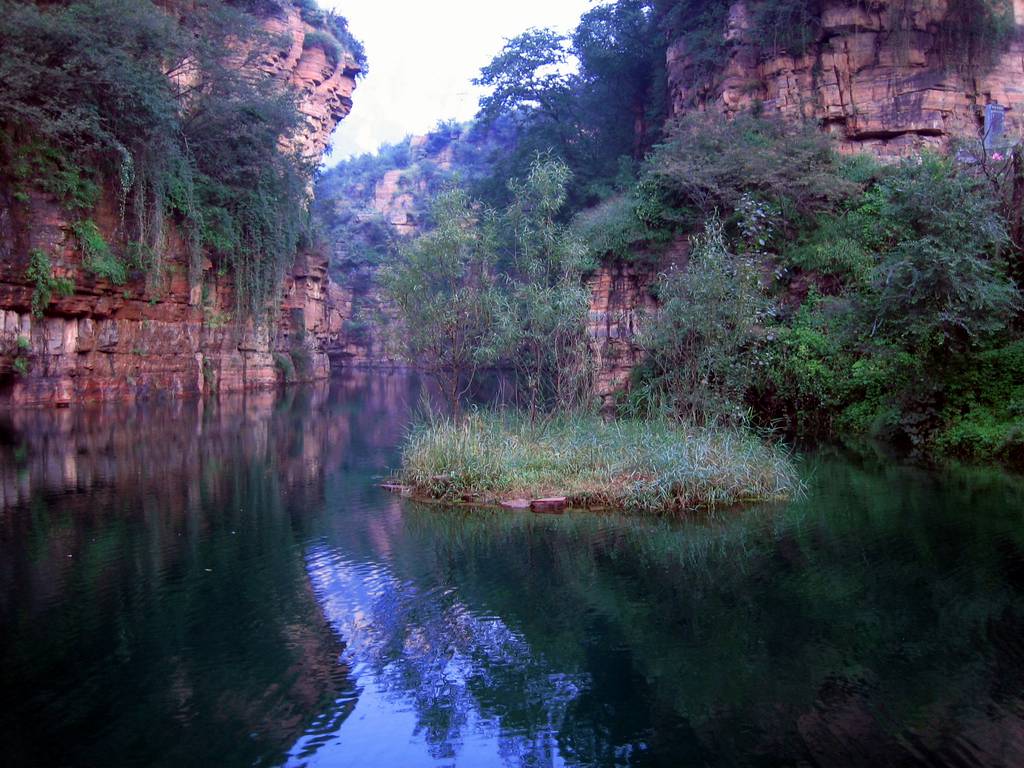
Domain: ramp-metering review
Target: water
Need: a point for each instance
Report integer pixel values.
(189, 585)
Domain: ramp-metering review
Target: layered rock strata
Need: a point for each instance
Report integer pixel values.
(169, 337)
(877, 76)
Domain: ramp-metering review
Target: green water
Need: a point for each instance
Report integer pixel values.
(223, 584)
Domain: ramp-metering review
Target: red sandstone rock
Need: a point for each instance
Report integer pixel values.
(877, 89)
(554, 504)
(516, 504)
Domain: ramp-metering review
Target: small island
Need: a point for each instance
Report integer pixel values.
(646, 466)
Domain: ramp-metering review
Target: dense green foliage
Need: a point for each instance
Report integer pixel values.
(642, 466)
(44, 283)
(153, 105)
(798, 288)
(701, 344)
(545, 308)
(595, 99)
(481, 287)
(863, 299)
(444, 288)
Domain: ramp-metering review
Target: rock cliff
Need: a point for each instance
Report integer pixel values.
(878, 75)
(172, 337)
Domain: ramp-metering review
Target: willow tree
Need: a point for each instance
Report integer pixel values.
(444, 290)
(545, 319)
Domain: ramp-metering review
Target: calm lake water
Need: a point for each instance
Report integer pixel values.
(224, 585)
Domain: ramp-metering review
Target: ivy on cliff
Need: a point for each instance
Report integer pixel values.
(158, 107)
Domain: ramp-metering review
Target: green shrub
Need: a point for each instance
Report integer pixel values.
(51, 169)
(326, 42)
(701, 344)
(613, 229)
(99, 258)
(984, 412)
(45, 285)
(707, 164)
(302, 362)
(938, 287)
(787, 25)
(285, 366)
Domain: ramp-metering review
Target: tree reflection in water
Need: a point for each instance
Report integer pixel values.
(190, 584)
(873, 622)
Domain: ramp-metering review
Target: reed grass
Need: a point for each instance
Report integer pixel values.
(637, 465)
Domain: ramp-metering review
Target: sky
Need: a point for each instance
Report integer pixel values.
(423, 56)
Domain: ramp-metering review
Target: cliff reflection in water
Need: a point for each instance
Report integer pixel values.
(224, 584)
(154, 607)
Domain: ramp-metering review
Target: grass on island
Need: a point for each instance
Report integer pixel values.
(643, 466)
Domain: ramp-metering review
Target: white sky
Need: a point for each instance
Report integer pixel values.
(423, 55)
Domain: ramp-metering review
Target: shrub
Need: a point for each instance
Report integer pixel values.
(707, 165)
(701, 342)
(302, 362)
(326, 42)
(613, 229)
(984, 412)
(938, 288)
(45, 285)
(285, 365)
(99, 258)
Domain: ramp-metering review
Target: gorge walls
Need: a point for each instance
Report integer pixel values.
(878, 74)
(174, 335)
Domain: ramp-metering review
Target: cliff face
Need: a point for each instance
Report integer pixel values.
(324, 88)
(387, 205)
(172, 338)
(876, 76)
(875, 88)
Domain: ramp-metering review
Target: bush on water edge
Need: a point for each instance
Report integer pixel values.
(655, 465)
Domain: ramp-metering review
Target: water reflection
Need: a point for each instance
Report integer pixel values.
(876, 622)
(154, 605)
(224, 584)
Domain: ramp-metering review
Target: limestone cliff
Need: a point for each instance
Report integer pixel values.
(876, 75)
(175, 336)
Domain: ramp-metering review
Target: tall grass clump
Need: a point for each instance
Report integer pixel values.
(650, 466)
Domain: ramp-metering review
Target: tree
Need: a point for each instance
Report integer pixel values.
(546, 311)
(528, 74)
(443, 288)
(939, 288)
(700, 343)
(622, 57)
(593, 100)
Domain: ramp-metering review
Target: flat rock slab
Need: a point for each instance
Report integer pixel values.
(516, 504)
(553, 504)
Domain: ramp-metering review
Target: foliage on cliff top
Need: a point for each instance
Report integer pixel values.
(595, 99)
(154, 104)
(327, 22)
